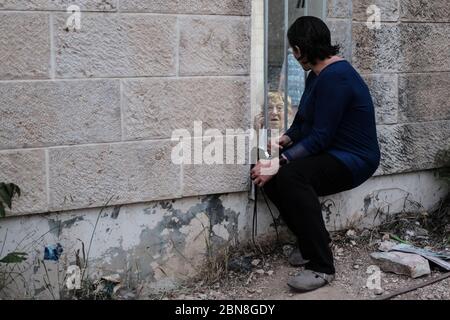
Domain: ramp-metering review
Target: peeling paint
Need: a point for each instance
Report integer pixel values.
(56, 226)
(115, 212)
(221, 231)
(158, 244)
(367, 202)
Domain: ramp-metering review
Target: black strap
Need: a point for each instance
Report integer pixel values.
(255, 222)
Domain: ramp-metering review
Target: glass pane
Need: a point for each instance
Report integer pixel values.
(316, 8)
(277, 61)
(283, 70)
(294, 73)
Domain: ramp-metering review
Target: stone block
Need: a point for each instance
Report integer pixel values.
(26, 169)
(424, 47)
(215, 46)
(413, 146)
(384, 91)
(339, 8)
(116, 46)
(85, 5)
(153, 108)
(212, 170)
(341, 33)
(219, 7)
(44, 113)
(420, 10)
(424, 97)
(89, 176)
(376, 50)
(24, 45)
(389, 9)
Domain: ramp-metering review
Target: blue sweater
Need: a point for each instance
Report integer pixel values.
(336, 115)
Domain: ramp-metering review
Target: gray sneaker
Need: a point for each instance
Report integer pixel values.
(296, 259)
(308, 280)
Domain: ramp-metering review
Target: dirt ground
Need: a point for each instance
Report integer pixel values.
(268, 277)
(265, 276)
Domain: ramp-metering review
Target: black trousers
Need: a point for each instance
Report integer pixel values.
(295, 191)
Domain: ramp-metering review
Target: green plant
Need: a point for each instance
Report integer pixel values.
(7, 193)
(14, 257)
(9, 264)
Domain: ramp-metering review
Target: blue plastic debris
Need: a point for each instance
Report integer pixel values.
(53, 252)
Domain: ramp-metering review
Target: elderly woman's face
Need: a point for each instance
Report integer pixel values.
(275, 112)
(276, 115)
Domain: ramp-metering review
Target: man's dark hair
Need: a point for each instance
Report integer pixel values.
(313, 38)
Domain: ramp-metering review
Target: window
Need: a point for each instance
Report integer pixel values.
(276, 106)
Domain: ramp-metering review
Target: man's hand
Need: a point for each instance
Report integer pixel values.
(279, 143)
(264, 170)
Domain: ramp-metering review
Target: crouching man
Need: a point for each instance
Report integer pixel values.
(331, 147)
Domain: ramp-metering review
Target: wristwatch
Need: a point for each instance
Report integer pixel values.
(282, 160)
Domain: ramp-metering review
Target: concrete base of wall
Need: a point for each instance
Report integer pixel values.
(367, 205)
(156, 245)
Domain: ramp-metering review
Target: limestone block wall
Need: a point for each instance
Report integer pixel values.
(407, 62)
(87, 115)
(86, 118)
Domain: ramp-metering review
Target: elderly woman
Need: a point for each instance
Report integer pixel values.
(276, 112)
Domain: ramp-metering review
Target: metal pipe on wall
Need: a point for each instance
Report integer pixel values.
(266, 63)
(286, 64)
(306, 13)
(324, 10)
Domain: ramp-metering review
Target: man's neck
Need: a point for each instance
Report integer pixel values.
(322, 64)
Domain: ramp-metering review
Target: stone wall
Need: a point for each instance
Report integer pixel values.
(88, 114)
(407, 62)
(86, 120)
